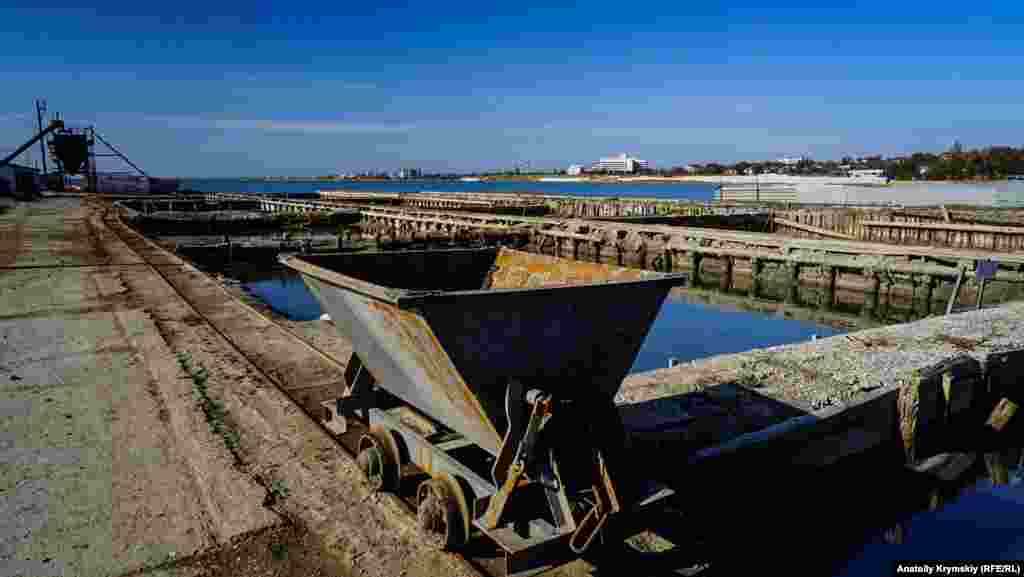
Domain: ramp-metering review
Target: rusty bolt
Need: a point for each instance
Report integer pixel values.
(1002, 414)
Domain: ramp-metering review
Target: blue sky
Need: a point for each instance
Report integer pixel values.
(229, 88)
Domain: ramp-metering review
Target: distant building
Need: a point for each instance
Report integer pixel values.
(621, 163)
(409, 173)
(791, 160)
(868, 173)
(574, 170)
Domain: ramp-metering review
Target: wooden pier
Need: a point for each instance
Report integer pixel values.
(920, 227)
(833, 263)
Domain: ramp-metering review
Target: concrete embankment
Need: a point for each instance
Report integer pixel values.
(928, 387)
(106, 467)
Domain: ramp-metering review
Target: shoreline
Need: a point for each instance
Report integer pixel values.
(713, 179)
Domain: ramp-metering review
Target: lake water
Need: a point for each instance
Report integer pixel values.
(985, 523)
(698, 191)
(682, 330)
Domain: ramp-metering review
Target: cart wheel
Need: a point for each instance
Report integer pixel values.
(439, 514)
(378, 459)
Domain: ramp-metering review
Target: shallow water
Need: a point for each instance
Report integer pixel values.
(697, 191)
(287, 295)
(687, 331)
(683, 330)
(985, 523)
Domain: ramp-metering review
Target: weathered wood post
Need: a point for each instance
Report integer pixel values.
(956, 289)
(793, 290)
(871, 294)
(830, 287)
(725, 283)
(695, 258)
(929, 291)
(755, 277)
(641, 253)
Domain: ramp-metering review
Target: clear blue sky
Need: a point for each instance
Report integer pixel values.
(232, 88)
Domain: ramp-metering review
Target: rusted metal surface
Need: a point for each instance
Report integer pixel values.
(433, 338)
(528, 270)
(1002, 414)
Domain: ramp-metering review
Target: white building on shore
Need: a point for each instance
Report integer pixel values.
(791, 160)
(621, 163)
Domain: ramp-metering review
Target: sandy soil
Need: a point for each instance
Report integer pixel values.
(105, 467)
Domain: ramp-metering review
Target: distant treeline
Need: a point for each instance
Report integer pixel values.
(993, 162)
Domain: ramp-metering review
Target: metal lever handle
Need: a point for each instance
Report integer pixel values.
(591, 524)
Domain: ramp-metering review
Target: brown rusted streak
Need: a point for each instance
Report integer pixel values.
(419, 340)
(1001, 415)
(516, 269)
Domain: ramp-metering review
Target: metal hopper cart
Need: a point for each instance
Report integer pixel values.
(494, 371)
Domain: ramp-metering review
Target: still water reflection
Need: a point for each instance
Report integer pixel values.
(683, 330)
(985, 522)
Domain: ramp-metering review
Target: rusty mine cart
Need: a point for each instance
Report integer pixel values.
(494, 372)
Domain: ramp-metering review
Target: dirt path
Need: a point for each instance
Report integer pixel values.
(104, 466)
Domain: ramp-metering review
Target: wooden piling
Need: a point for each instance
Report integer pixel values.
(793, 288)
(695, 258)
(871, 298)
(928, 294)
(956, 290)
(831, 275)
(725, 282)
(755, 277)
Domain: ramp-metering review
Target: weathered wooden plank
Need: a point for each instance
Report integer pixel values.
(814, 229)
(945, 226)
(837, 261)
(934, 400)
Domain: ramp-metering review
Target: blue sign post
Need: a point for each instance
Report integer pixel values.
(985, 271)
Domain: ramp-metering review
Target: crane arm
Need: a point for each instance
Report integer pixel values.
(54, 125)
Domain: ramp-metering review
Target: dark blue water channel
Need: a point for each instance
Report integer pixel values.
(683, 330)
(697, 191)
(985, 523)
